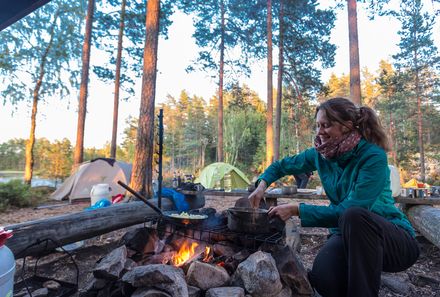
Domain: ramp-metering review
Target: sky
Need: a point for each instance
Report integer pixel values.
(57, 119)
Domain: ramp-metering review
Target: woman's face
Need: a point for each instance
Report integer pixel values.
(328, 130)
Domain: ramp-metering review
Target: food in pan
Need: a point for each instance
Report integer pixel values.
(185, 215)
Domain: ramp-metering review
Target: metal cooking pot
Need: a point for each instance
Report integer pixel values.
(253, 221)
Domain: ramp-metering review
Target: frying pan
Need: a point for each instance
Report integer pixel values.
(167, 215)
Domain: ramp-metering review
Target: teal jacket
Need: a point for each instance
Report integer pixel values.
(360, 177)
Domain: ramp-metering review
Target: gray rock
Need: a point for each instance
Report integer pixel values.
(40, 292)
(164, 277)
(148, 292)
(52, 285)
(141, 240)
(225, 292)
(194, 292)
(425, 280)
(241, 255)
(223, 249)
(292, 271)
(111, 265)
(259, 275)
(21, 293)
(98, 283)
(129, 264)
(285, 292)
(398, 283)
(206, 276)
(104, 292)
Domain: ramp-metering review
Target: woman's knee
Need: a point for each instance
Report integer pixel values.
(354, 216)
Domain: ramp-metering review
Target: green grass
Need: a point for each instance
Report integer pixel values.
(17, 194)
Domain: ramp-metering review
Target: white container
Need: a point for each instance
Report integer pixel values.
(99, 192)
(7, 267)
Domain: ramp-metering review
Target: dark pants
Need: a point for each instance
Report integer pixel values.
(301, 180)
(350, 264)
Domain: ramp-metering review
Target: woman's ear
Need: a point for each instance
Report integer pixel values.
(347, 127)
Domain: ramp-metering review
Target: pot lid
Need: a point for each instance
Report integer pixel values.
(249, 210)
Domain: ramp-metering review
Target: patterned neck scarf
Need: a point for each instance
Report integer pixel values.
(336, 147)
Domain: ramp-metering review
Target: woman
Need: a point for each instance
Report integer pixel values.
(368, 233)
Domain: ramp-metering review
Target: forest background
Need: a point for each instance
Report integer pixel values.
(191, 129)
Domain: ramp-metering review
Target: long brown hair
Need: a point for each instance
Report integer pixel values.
(363, 119)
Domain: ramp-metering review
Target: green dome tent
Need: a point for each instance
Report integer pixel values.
(214, 174)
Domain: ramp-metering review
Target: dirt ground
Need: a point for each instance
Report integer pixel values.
(422, 279)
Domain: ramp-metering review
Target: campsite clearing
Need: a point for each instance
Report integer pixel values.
(424, 276)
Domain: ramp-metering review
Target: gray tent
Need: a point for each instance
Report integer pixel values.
(98, 171)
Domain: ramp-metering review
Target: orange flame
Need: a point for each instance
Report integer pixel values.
(207, 255)
(185, 253)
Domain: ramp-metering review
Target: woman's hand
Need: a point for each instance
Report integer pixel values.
(284, 211)
(258, 194)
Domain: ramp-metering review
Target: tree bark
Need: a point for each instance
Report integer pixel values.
(82, 106)
(355, 78)
(78, 226)
(113, 145)
(279, 86)
(142, 173)
(419, 120)
(29, 155)
(269, 114)
(220, 154)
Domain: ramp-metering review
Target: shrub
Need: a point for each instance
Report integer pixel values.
(16, 193)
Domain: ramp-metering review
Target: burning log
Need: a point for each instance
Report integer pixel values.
(62, 230)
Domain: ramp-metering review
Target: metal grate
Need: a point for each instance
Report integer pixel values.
(210, 234)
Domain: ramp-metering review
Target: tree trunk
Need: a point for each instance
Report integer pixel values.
(73, 227)
(113, 145)
(29, 155)
(82, 106)
(393, 151)
(355, 78)
(142, 173)
(269, 114)
(29, 167)
(279, 86)
(426, 220)
(220, 156)
(420, 123)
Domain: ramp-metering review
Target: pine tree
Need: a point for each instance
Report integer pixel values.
(418, 56)
(82, 104)
(36, 55)
(220, 27)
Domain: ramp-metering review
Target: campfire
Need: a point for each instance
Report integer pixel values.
(203, 260)
(187, 252)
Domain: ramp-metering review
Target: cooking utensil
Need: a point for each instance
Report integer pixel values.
(168, 215)
(289, 190)
(253, 221)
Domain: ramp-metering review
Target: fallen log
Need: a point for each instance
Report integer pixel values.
(65, 229)
(426, 220)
